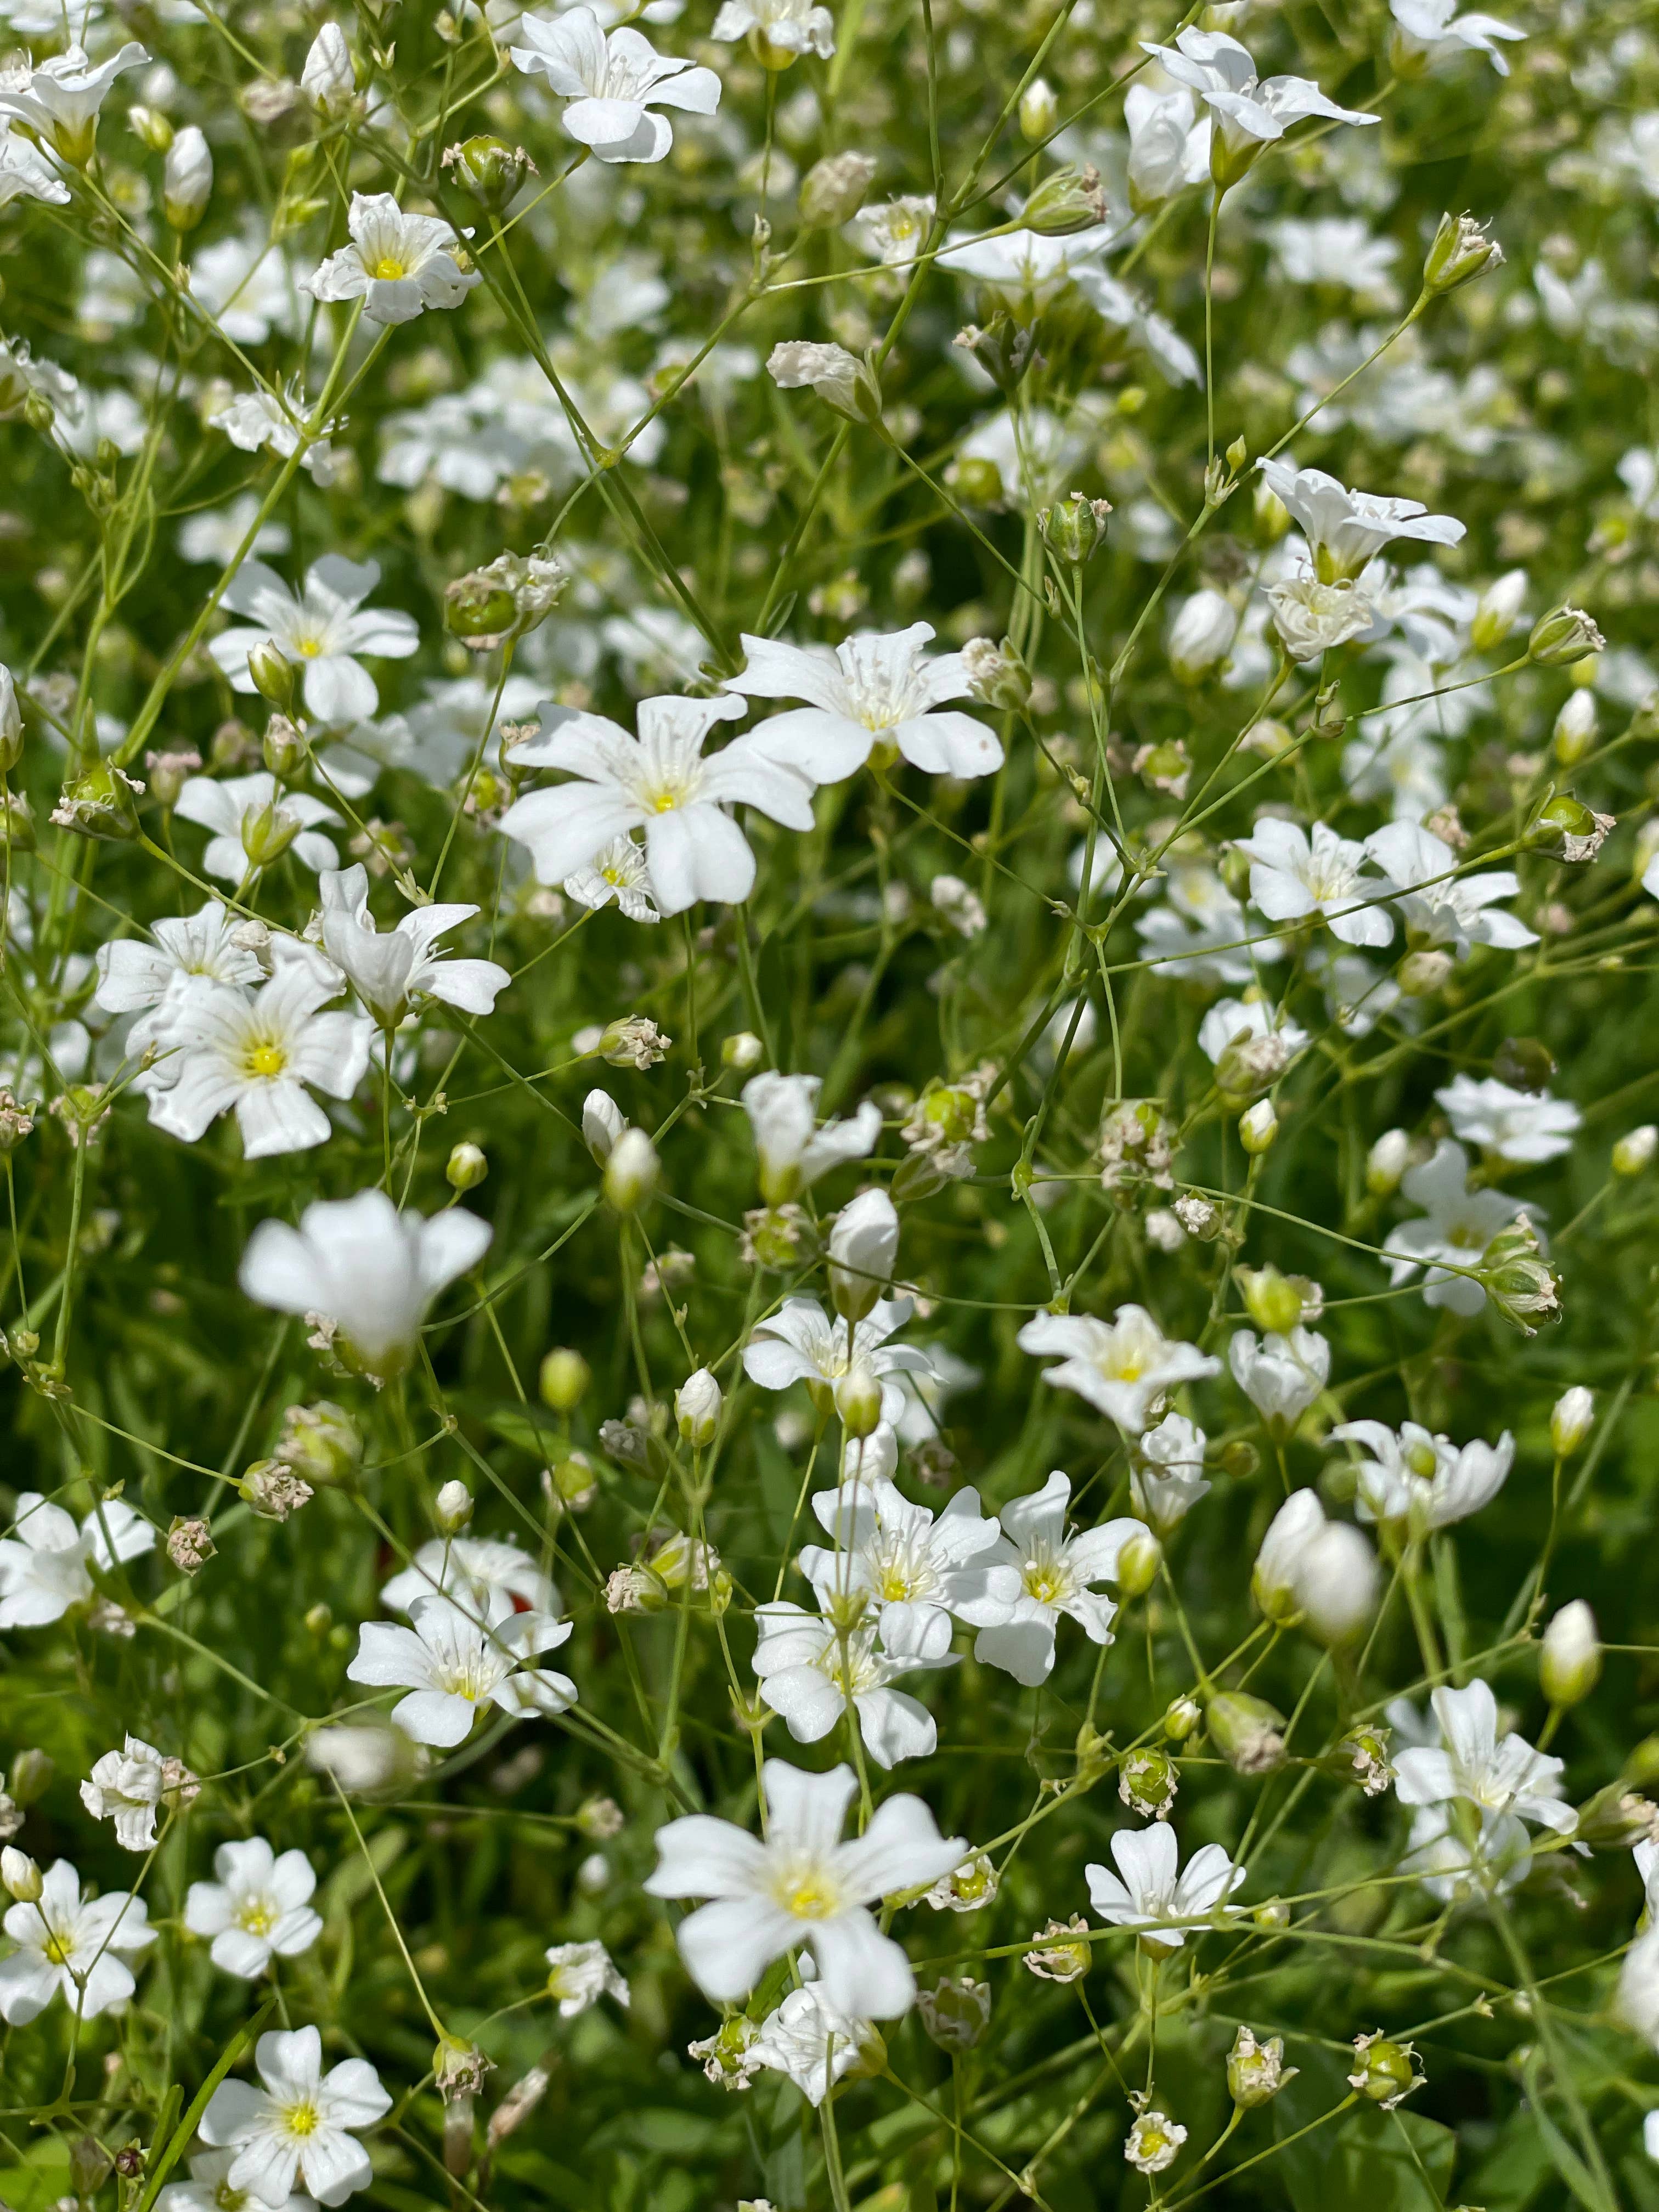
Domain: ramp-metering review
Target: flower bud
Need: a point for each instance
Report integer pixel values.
(327, 80)
(863, 1248)
(1569, 1662)
(11, 723)
(31, 1775)
(1499, 610)
(284, 749)
(1635, 1149)
(1571, 1419)
(1272, 516)
(17, 822)
(1075, 527)
(698, 1408)
(152, 127)
(1258, 1126)
(570, 1485)
(1005, 349)
(272, 673)
(839, 378)
(996, 674)
(466, 1167)
(1070, 199)
(833, 190)
(1039, 111)
(603, 1122)
(367, 1756)
(1575, 728)
(1182, 1719)
(1147, 1781)
(976, 481)
(268, 831)
(488, 170)
(1337, 1583)
(1422, 973)
(1566, 634)
(1137, 1564)
(1384, 2071)
(98, 804)
(1201, 636)
(857, 1399)
(630, 1172)
(1614, 1818)
(20, 1875)
(1461, 252)
(186, 180)
(1272, 1300)
(320, 1443)
(563, 1380)
(452, 1509)
(1256, 2071)
(1247, 1731)
(1516, 1277)
(742, 1051)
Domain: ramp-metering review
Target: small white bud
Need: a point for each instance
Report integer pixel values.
(20, 1875)
(631, 1171)
(1635, 1149)
(858, 1401)
(1257, 1127)
(452, 1508)
(1575, 728)
(1386, 1162)
(1337, 1583)
(1201, 635)
(742, 1050)
(698, 1408)
(863, 1247)
(1499, 610)
(1039, 111)
(603, 1122)
(186, 180)
(327, 80)
(1570, 1664)
(1570, 1419)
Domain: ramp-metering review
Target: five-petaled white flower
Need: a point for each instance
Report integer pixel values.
(1456, 1228)
(321, 629)
(1440, 906)
(801, 1343)
(1344, 529)
(1423, 1480)
(1472, 1762)
(254, 821)
(810, 1677)
(300, 2127)
(389, 968)
(398, 264)
(470, 1568)
(369, 1272)
(1154, 1889)
(659, 781)
(60, 98)
(810, 2040)
(1524, 1127)
(127, 1786)
(1124, 1367)
(73, 1947)
(802, 1885)
(1053, 1570)
(777, 27)
(454, 1661)
(910, 1564)
(209, 2189)
(257, 1907)
(1293, 876)
(44, 1562)
(618, 873)
(868, 687)
(1249, 111)
(581, 1974)
(135, 976)
(795, 1152)
(24, 174)
(1424, 30)
(1166, 1475)
(612, 82)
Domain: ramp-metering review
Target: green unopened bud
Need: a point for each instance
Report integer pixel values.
(834, 190)
(268, 831)
(1005, 349)
(1247, 1731)
(1564, 636)
(1258, 1127)
(1137, 1564)
(152, 127)
(1270, 1299)
(698, 1408)
(1614, 1818)
(1182, 1719)
(100, 803)
(1571, 1418)
(563, 1379)
(488, 170)
(16, 821)
(1075, 527)
(11, 723)
(997, 674)
(1569, 1662)
(858, 1396)
(1635, 1149)
(1256, 2072)
(283, 748)
(273, 674)
(480, 609)
(631, 1172)
(466, 1167)
(976, 481)
(1384, 2071)
(1461, 250)
(1039, 111)
(31, 1776)
(1525, 1063)
(1071, 199)
(39, 412)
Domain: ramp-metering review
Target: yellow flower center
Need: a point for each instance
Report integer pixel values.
(257, 1917)
(59, 1950)
(812, 1897)
(388, 267)
(302, 2119)
(266, 1060)
(310, 648)
(1042, 1582)
(895, 1584)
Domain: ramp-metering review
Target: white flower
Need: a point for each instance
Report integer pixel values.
(72, 1947)
(839, 378)
(795, 1152)
(603, 1122)
(1335, 250)
(1457, 1226)
(913, 1566)
(802, 1885)
(126, 1787)
(1202, 629)
(1154, 1890)
(1313, 617)
(1125, 1368)
(1344, 528)
(1249, 111)
(1250, 1023)
(612, 82)
(1457, 1866)
(320, 630)
(870, 686)
(1024, 267)
(801, 1344)
(254, 821)
(1506, 1775)
(809, 1680)
(618, 871)
(863, 1251)
(24, 174)
(1431, 29)
(255, 1054)
(582, 1974)
(398, 264)
(1515, 1125)
(389, 968)
(1166, 1475)
(1293, 876)
(1281, 1376)
(257, 1907)
(367, 1269)
(43, 1561)
(1438, 905)
(1421, 1479)
(1169, 142)
(209, 2189)
(216, 534)
(470, 1568)
(1153, 2143)
(810, 2040)
(245, 285)
(1053, 1571)
(659, 781)
(785, 26)
(453, 1663)
(62, 97)
(895, 231)
(256, 419)
(299, 2126)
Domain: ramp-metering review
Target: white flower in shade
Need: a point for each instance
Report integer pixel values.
(870, 686)
(1345, 529)
(1423, 1480)
(257, 1907)
(209, 2189)
(300, 2127)
(1294, 875)
(61, 98)
(369, 1272)
(1249, 111)
(810, 2040)
(912, 1565)
(455, 1663)
(1247, 1023)
(253, 822)
(659, 781)
(71, 1947)
(126, 1787)
(24, 174)
(255, 420)
(216, 536)
(1151, 1889)
(785, 27)
(802, 1885)
(1340, 251)
(1054, 1571)
(893, 232)
(1473, 1763)
(1431, 29)
(1438, 905)
(809, 1679)
(617, 874)
(398, 264)
(1169, 142)
(259, 1054)
(1521, 1126)
(801, 1344)
(612, 83)
(1281, 1376)
(603, 1123)
(1457, 1866)
(44, 1562)
(321, 629)
(1153, 2143)
(1124, 1368)
(1312, 617)
(1166, 1476)
(795, 1152)
(389, 968)
(1456, 1228)
(582, 1974)
(471, 1569)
